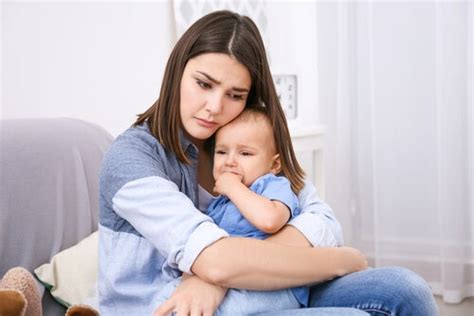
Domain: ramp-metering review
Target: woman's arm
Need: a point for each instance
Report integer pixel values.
(261, 265)
(189, 239)
(315, 226)
(290, 236)
(317, 221)
(193, 297)
(277, 263)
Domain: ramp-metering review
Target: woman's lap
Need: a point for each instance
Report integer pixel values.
(379, 291)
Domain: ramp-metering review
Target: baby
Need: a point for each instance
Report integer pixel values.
(255, 200)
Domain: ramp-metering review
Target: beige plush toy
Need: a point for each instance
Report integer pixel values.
(19, 296)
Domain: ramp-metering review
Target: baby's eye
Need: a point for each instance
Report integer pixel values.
(203, 84)
(220, 152)
(246, 153)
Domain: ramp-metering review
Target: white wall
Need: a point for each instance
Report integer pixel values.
(103, 61)
(292, 49)
(98, 61)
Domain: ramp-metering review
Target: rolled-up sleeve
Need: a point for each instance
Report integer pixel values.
(140, 196)
(149, 225)
(317, 221)
(168, 219)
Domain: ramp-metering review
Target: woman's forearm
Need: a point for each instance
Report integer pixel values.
(262, 265)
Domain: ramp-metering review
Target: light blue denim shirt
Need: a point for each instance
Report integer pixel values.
(151, 228)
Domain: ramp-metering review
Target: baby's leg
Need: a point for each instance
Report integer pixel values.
(244, 302)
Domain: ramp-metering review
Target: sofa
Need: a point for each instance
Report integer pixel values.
(48, 190)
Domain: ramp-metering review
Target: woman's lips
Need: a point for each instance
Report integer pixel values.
(206, 123)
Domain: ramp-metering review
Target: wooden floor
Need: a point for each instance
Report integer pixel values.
(466, 308)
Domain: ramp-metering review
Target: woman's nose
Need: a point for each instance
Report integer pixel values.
(215, 103)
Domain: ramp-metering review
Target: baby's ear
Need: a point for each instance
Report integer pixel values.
(276, 164)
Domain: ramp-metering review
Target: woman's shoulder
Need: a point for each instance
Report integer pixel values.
(134, 142)
(135, 154)
(136, 135)
(136, 149)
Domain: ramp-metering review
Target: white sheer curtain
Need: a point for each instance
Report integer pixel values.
(396, 94)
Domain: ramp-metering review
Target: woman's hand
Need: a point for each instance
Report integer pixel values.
(193, 297)
(352, 260)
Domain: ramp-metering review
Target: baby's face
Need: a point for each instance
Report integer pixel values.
(246, 148)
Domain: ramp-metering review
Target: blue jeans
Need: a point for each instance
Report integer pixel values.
(377, 291)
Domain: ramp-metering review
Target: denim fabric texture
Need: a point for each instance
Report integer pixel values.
(378, 291)
(375, 291)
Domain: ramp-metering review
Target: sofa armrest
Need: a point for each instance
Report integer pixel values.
(48, 187)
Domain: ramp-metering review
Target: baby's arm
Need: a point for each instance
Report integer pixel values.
(267, 215)
(317, 220)
(316, 225)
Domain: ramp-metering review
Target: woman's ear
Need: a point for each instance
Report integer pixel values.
(276, 164)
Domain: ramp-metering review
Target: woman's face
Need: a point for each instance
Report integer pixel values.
(214, 90)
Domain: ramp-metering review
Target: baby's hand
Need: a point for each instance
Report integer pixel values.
(226, 182)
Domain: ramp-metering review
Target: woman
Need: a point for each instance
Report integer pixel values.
(151, 229)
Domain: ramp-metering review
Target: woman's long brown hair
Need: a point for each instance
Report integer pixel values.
(238, 36)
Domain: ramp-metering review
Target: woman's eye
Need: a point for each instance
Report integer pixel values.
(236, 96)
(203, 84)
